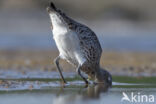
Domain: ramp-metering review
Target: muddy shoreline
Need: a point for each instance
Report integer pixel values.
(118, 63)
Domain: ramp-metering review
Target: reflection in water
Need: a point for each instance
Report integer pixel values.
(96, 90)
(73, 94)
(92, 92)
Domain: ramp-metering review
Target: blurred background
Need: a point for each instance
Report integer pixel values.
(126, 30)
(121, 25)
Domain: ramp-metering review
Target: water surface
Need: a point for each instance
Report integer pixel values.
(36, 89)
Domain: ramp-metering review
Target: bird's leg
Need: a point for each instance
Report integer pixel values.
(56, 61)
(79, 72)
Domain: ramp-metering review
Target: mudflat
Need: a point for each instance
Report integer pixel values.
(118, 63)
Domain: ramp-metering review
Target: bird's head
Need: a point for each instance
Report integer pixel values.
(101, 76)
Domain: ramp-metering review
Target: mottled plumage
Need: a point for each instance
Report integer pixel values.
(88, 41)
(78, 45)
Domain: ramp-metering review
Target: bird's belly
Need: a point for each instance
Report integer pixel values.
(69, 48)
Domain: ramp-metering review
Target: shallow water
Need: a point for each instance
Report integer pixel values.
(77, 94)
(37, 89)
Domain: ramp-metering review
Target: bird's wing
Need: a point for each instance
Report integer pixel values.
(89, 43)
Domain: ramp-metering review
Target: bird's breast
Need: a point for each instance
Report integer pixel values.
(69, 46)
(67, 40)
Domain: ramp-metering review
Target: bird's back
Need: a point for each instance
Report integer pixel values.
(89, 45)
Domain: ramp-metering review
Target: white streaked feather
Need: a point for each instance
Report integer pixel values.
(67, 41)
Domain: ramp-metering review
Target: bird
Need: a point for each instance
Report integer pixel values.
(78, 45)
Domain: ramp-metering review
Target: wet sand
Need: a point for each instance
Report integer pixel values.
(118, 63)
(32, 75)
(75, 92)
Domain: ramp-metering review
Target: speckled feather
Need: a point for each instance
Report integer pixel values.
(88, 41)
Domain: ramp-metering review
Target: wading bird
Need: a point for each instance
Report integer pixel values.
(78, 45)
